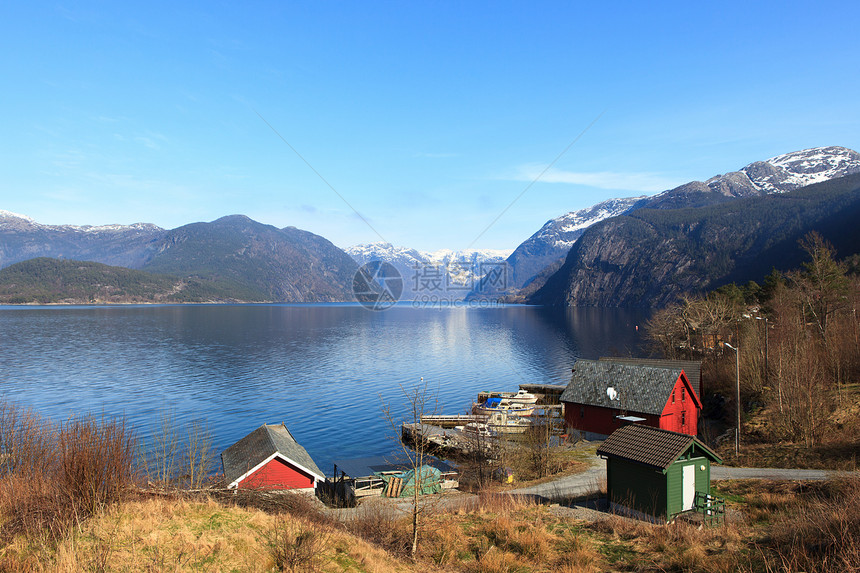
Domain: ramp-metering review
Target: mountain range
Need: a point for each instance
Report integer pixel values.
(620, 252)
(232, 258)
(651, 256)
(445, 273)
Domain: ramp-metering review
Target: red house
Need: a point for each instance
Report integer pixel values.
(603, 396)
(270, 458)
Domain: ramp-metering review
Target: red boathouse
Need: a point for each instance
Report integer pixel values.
(603, 396)
(270, 458)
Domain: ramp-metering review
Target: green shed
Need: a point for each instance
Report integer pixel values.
(656, 472)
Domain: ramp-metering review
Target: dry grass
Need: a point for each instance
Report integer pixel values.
(817, 531)
(498, 532)
(163, 534)
(824, 533)
(678, 546)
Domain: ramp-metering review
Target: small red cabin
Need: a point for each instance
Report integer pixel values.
(603, 396)
(270, 458)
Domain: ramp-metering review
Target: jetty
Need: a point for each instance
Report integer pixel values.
(451, 421)
(445, 442)
(465, 435)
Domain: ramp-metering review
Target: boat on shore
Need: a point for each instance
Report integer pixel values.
(498, 424)
(503, 423)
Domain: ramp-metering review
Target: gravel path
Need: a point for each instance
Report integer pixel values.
(590, 480)
(728, 472)
(579, 485)
(569, 487)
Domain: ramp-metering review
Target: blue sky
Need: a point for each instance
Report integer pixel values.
(428, 118)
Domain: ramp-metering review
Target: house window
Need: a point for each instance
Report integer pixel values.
(673, 396)
(582, 411)
(683, 418)
(683, 394)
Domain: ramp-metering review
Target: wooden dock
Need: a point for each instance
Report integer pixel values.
(548, 394)
(444, 442)
(451, 421)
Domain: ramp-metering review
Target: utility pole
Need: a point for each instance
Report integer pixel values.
(737, 396)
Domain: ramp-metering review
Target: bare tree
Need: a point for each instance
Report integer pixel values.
(537, 443)
(161, 458)
(419, 403)
(199, 454)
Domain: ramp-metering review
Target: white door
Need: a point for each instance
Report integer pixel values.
(689, 491)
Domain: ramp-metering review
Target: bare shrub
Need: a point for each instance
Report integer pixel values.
(54, 477)
(296, 547)
(96, 462)
(25, 442)
(299, 505)
(380, 526)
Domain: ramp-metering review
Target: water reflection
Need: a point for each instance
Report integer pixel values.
(325, 370)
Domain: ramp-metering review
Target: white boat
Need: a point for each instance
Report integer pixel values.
(494, 426)
(520, 403)
(522, 397)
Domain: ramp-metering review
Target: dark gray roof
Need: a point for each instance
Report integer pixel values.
(642, 389)
(652, 446)
(366, 467)
(692, 368)
(256, 447)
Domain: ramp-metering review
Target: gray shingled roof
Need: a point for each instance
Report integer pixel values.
(642, 389)
(692, 368)
(257, 446)
(651, 446)
(397, 461)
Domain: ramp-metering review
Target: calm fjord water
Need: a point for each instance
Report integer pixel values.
(325, 370)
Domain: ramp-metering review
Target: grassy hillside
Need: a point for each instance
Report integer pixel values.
(785, 526)
(44, 281)
(75, 497)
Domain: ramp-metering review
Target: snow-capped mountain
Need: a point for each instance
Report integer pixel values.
(15, 221)
(645, 259)
(544, 251)
(801, 168)
(444, 273)
(778, 174)
(552, 241)
(23, 238)
(562, 232)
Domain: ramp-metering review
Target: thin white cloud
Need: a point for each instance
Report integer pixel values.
(435, 155)
(645, 182)
(148, 142)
